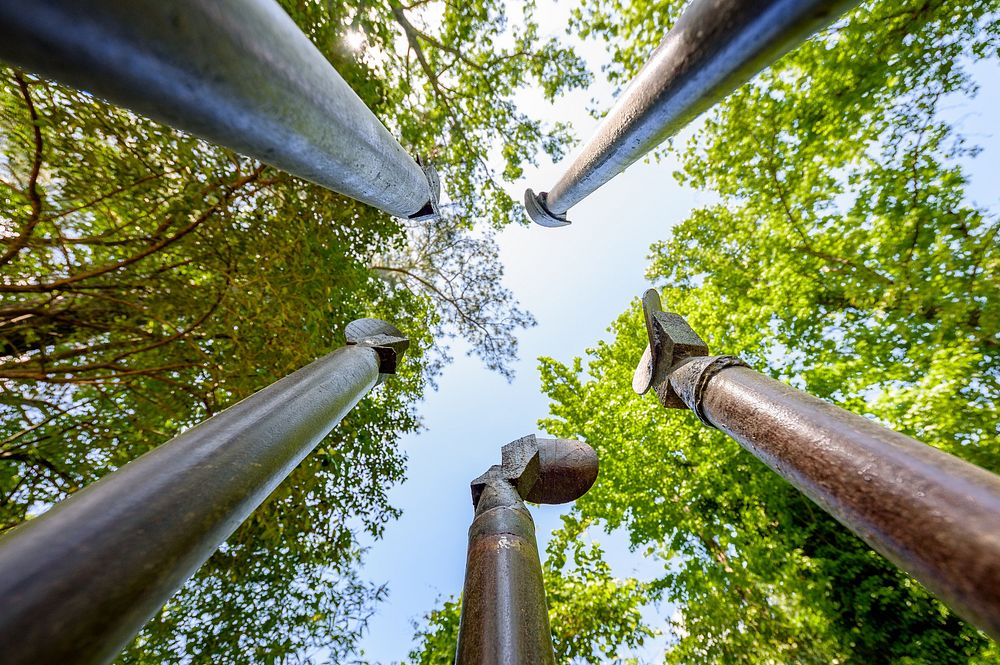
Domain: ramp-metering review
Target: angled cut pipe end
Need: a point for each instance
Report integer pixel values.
(384, 338)
(539, 213)
(567, 470)
(431, 210)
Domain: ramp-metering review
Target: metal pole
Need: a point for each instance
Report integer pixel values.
(930, 513)
(79, 581)
(715, 46)
(239, 73)
(505, 620)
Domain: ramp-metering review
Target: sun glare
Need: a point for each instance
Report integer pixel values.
(355, 39)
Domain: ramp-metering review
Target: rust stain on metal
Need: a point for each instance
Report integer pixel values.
(504, 615)
(930, 513)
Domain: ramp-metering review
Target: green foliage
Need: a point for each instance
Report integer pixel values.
(594, 616)
(149, 280)
(438, 639)
(844, 257)
(455, 75)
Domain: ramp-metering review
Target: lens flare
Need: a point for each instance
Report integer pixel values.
(354, 39)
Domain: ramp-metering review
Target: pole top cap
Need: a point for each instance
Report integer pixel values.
(386, 340)
(537, 470)
(671, 340)
(538, 211)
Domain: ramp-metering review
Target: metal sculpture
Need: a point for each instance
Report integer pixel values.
(932, 514)
(239, 73)
(715, 46)
(505, 620)
(78, 582)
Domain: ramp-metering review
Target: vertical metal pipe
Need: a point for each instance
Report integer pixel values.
(235, 72)
(79, 581)
(505, 620)
(932, 514)
(715, 46)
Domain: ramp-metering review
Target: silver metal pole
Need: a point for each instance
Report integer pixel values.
(78, 582)
(715, 46)
(239, 73)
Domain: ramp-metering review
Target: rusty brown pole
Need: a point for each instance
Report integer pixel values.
(505, 620)
(935, 516)
(504, 616)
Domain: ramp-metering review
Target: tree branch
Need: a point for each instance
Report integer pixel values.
(63, 283)
(34, 197)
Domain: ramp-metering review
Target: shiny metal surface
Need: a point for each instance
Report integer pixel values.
(715, 46)
(79, 581)
(239, 73)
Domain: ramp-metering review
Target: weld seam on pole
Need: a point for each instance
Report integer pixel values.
(706, 373)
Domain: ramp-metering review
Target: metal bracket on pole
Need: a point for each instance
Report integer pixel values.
(539, 212)
(671, 341)
(932, 514)
(387, 341)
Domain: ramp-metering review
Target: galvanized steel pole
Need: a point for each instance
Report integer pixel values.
(239, 73)
(930, 513)
(78, 582)
(715, 46)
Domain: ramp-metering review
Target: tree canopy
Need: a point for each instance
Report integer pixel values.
(843, 256)
(150, 279)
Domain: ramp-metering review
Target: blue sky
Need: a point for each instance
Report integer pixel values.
(575, 280)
